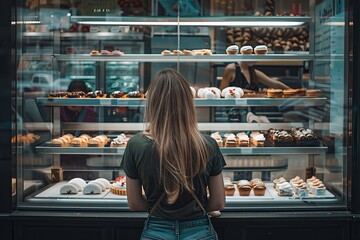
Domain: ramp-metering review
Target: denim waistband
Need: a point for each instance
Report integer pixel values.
(202, 220)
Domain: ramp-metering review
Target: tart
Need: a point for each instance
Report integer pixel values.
(119, 186)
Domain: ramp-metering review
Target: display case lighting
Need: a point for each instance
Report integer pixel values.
(188, 23)
(25, 22)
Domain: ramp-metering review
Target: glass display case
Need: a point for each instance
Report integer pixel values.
(304, 135)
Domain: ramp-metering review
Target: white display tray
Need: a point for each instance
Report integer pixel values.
(270, 194)
(54, 192)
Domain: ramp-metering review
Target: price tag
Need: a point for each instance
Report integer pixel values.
(246, 151)
(122, 102)
(105, 102)
(240, 102)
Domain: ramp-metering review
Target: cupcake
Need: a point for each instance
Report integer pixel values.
(244, 187)
(261, 49)
(233, 49)
(229, 187)
(246, 50)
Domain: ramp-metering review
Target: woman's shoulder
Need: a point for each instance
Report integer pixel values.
(211, 141)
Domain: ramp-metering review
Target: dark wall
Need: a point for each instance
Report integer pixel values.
(5, 105)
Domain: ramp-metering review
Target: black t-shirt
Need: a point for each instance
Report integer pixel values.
(141, 161)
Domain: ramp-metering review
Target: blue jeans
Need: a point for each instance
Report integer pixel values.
(161, 228)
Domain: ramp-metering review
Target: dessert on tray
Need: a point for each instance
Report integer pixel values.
(242, 139)
(119, 186)
(229, 187)
(244, 187)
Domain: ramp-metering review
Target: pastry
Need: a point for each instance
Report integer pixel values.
(246, 50)
(188, 52)
(202, 52)
(259, 189)
(313, 93)
(232, 50)
(69, 189)
(119, 141)
(79, 181)
(218, 138)
(274, 93)
(233, 89)
(201, 92)
(117, 53)
(232, 94)
(117, 94)
(166, 52)
(302, 190)
(309, 180)
(105, 52)
(257, 139)
(284, 189)
(57, 142)
(68, 136)
(135, 94)
(278, 180)
(105, 182)
(261, 49)
(95, 94)
(290, 92)
(244, 187)
(94, 52)
(78, 94)
(229, 187)
(94, 142)
(178, 52)
(211, 94)
(100, 183)
(119, 186)
(92, 188)
(301, 91)
(242, 139)
(230, 141)
(78, 142)
(279, 138)
(304, 137)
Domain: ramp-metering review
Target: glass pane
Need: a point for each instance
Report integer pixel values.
(83, 67)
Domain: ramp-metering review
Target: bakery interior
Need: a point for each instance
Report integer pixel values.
(112, 49)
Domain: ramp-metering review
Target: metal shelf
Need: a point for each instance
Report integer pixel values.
(238, 21)
(288, 57)
(301, 101)
(235, 151)
(218, 126)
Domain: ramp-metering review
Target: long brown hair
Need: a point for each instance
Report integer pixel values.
(170, 113)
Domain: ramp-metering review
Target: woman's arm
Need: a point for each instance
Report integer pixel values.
(217, 193)
(136, 200)
(266, 80)
(228, 76)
